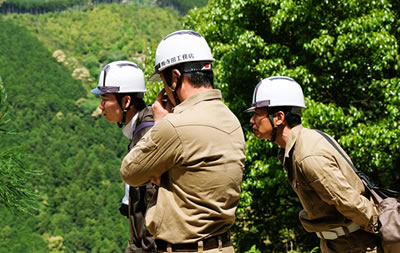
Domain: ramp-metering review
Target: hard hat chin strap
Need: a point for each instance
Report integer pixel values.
(178, 85)
(122, 123)
(274, 127)
(124, 111)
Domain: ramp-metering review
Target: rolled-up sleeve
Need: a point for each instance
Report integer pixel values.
(155, 153)
(333, 188)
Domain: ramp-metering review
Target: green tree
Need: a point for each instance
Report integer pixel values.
(345, 54)
(16, 193)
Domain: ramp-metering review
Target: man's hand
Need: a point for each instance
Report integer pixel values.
(156, 180)
(162, 106)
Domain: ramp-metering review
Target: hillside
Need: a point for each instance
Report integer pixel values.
(78, 155)
(94, 37)
(45, 6)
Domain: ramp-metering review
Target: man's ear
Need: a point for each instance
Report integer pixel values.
(126, 102)
(175, 76)
(279, 118)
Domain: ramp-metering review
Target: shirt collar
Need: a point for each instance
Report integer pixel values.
(294, 133)
(198, 97)
(130, 127)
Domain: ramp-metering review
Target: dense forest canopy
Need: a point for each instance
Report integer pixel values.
(77, 155)
(183, 6)
(44, 6)
(344, 53)
(84, 42)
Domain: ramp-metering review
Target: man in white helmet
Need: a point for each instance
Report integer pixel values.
(121, 87)
(318, 169)
(197, 148)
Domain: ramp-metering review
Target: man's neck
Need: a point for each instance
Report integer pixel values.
(282, 136)
(130, 114)
(129, 127)
(187, 90)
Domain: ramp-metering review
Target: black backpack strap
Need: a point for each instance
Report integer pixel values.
(142, 190)
(142, 125)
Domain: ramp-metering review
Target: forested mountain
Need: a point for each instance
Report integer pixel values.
(44, 6)
(92, 38)
(77, 167)
(78, 156)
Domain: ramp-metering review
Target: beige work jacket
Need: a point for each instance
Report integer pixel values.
(199, 150)
(329, 190)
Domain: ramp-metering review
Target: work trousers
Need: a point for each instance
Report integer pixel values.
(226, 248)
(357, 242)
(229, 249)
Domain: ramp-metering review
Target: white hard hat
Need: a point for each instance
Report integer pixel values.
(181, 47)
(120, 77)
(277, 91)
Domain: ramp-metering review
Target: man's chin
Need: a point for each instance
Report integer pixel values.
(111, 120)
(257, 134)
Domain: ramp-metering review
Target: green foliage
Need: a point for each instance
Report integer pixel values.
(253, 249)
(183, 6)
(4, 107)
(17, 234)
(86, 41)
(88, 106)
(346, 56)
(78, 154)
(16, 193)
(43, 6)
(80, 184)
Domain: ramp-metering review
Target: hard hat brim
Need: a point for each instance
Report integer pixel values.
(251, 109)
(97, 91)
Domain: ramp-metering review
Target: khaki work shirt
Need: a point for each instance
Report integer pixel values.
(329, 190)
(199, 150)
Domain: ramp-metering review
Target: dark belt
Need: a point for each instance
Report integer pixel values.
(208, 243)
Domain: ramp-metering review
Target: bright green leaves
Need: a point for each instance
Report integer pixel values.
(344, 53)
(16, 192)
(4, 108)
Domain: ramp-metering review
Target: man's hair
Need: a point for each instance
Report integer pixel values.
(201, 78)
(136, 100)
(197, 78)
(293, 119)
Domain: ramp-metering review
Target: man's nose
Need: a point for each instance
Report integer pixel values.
(252, 120)
(101, 105)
